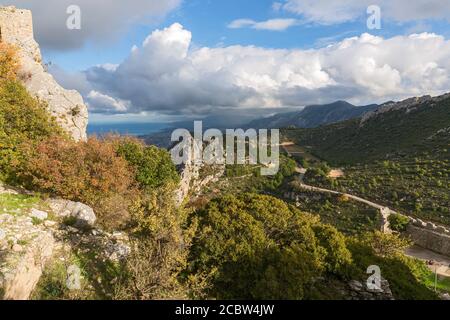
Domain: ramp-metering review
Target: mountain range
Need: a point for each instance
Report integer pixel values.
(314, 116)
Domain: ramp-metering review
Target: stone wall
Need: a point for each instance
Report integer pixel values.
(67, 106)
(429, 236)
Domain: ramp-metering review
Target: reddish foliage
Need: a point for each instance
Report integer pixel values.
(89, 172)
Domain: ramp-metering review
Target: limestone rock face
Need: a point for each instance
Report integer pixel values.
(67, 106)
(192, 180)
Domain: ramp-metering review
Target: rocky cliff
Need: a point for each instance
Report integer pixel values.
(67, 106)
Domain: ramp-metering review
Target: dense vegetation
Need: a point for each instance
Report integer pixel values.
(258, 183)
(258, 247)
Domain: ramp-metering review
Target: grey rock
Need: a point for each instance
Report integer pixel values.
(117, 251)
(84, 215)
(356, 285)
(37, 214)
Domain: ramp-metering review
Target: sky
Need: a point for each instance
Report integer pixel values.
(173, 60)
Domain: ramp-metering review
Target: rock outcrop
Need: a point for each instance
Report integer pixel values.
(192, 181)
(31, 238)
(67, 106)
(82, 215)
(25, 248)
(407, 106)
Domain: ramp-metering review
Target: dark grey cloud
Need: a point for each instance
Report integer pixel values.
(102, 20)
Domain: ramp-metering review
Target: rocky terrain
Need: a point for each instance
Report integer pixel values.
(34, 231)
(407, 106)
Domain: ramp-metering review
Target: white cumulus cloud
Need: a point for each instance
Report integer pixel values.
(167, 75)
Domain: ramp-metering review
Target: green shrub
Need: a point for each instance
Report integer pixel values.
(23, 120)
(398, 222)
(154, 167)
(258, 247)
(160, 245)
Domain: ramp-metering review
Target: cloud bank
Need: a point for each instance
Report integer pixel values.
(101, 19)
(168, 75)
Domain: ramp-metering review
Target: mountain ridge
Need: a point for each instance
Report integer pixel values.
(314, 116)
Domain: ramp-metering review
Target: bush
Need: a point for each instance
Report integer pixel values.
(154, 167)
(23, 120)
(160, 245)
(9, 62)
(398, 222)
(384, 244)
(258, 247)
(90, 172)
(405, 275)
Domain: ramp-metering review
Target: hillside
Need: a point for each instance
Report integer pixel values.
(397, 130)
(397, 156)
(313, 116)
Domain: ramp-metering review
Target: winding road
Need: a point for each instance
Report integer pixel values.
(442, 263)
(385, 211)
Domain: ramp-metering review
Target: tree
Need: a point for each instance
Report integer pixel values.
(384, 244)
(258, 247)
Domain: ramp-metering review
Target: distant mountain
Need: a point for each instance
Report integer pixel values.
(314, 116)
(396, 129)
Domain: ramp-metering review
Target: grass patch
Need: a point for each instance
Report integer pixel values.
(18, 204)
(443, 283)
(53, 284)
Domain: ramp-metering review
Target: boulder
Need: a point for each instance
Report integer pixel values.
(82, 214)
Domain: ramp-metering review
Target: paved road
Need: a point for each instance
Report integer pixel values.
(442, 263)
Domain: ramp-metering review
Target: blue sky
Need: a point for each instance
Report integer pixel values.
(171, 60)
